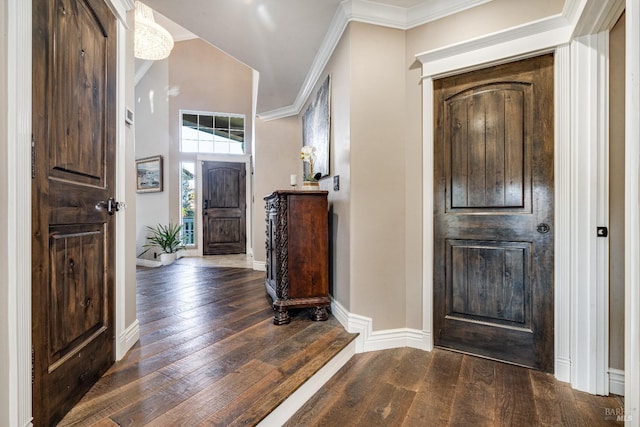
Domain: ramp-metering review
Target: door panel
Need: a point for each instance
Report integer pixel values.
(493, 270)
(489, 281)
(74, 53)
(224, 221)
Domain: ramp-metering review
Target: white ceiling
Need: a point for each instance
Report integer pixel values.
(289, 41)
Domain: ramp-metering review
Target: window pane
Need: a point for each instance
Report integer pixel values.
(237, 135)
(206, 146)
(222, 135)
(188, 201)
(236, 148)
(222, 147)
(210, 133)
(205, 134)
(222, 122)
(206, 121)
(190, 120)
(189, 146)
(237, 123)
(189, 133)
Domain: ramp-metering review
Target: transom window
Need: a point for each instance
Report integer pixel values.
(219, 133)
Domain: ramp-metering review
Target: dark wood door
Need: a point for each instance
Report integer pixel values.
(493, 213)
(224, 208)
(74, 58)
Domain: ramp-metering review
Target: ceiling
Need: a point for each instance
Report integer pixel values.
(289, 41)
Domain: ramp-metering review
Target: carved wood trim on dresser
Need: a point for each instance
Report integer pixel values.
(297, 246)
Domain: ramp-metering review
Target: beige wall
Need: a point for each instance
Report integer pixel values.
(378, 124)
(616, 194)
(277, 156)
(339, 68)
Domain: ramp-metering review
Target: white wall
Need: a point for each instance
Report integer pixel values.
(127, 155)
(152, 139)
(5, 366)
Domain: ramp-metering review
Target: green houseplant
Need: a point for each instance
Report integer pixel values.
(168, 238)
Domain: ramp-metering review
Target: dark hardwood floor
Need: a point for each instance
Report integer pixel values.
(409, 387)
(209, 355)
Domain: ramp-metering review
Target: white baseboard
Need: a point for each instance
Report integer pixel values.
(147, 262)
(369, 340)
(290, 406)
(259, 265)
(616, 381)
(563, 369)
(127, 339)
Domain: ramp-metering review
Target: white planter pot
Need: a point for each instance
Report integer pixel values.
(167, 259)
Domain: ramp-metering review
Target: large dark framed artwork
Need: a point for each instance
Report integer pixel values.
(316, 128)
(149, 174)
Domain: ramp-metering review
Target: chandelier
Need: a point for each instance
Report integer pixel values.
(152, 42)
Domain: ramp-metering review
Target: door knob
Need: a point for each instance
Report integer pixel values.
(543, 228)
(110, 205)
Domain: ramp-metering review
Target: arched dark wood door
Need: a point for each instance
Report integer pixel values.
(224, 225)
(74, 98)
(493, 272)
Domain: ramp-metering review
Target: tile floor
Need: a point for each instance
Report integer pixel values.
(236, 260)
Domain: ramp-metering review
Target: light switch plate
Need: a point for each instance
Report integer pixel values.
(336, 183)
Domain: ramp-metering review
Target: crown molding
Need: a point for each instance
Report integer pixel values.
(431, 11)
(577, 16)
(181, 37)
(370, 13)
(120, 9)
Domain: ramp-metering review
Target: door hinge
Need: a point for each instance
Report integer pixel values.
(33, 157)
(33, 366)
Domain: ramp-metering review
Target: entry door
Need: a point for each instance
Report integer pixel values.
(493, 272)
(224, 208)
(74, 58)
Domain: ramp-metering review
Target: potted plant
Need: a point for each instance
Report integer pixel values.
(168, 238)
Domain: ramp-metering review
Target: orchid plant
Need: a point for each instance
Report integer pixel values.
(307, 154)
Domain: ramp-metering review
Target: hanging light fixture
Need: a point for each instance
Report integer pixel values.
(152, 42)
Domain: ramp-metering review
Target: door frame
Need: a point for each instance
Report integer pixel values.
(16, 109)
(227, 158)
(581, 356)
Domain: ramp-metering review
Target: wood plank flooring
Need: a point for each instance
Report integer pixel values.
(409, 387)
(209, 354)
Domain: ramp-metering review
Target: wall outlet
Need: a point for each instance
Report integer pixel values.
(336, 183)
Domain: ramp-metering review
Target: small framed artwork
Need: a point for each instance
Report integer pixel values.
(149, 174)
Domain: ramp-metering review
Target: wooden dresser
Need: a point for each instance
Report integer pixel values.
(297, 252)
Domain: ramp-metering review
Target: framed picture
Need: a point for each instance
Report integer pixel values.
(316, 129)
(149, 174)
